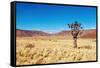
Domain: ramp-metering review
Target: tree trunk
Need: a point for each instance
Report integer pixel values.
(75, 42)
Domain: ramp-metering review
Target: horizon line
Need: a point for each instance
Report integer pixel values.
(52, 32)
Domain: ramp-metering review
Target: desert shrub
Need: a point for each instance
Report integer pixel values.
(30, 46)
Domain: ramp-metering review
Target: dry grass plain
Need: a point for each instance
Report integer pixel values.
(44, 50)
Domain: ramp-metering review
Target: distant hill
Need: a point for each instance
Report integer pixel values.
(29, 33)
(63, 33)
(91, 33)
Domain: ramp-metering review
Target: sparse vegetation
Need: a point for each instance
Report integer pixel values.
(44, 50)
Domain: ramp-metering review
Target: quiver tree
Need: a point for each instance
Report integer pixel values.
(75, 29)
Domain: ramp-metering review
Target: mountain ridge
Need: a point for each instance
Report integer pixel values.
(91, 33)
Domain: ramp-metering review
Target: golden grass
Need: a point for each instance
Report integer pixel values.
(44, 50)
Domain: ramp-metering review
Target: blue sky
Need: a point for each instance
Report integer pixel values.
(53, 18)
